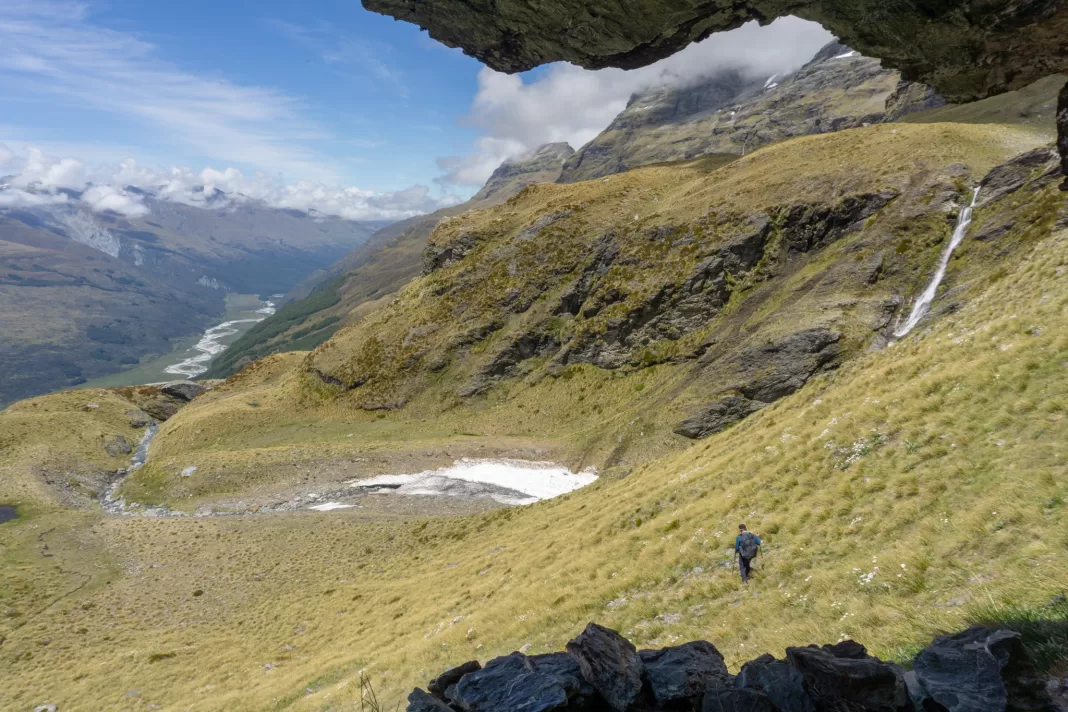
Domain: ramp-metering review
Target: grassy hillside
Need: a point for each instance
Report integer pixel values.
(357, 284)
(918, 487)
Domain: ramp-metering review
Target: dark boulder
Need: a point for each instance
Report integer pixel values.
(680, 674)
(183, 390)
(864, 684)
(420, 701)
(780, 682)
(720, 699)
(516, 683)
(117, 446)
(610, 663)
(718, 415)
(980, 670)
(443, 682)
(139, 418)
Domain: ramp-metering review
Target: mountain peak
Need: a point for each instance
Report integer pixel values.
(542, 165)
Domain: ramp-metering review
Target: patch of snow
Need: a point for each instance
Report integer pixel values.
(188, 472)
(845, 55)
(772, 85)
(210, 282)
(771, 81)
(330, 506)
(511, 482)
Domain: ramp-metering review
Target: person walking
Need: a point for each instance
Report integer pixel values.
(746, 548)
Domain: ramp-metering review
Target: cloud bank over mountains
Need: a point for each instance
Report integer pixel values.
(567, 103)
(37, 179)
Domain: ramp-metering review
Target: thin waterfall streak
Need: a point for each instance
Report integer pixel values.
(923, 304)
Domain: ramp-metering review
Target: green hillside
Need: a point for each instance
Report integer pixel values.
(902, 489)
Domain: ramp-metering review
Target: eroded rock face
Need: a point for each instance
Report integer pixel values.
(965, 50)
(1062, 133)
(761, 375)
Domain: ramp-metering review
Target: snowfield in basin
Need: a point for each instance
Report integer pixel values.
(512, 482)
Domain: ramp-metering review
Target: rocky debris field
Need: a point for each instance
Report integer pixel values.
(977, 670)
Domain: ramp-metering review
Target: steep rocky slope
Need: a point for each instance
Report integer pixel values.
(343, 293)
(748, 278)
(84, 294)
(730, 113)
(915, 489)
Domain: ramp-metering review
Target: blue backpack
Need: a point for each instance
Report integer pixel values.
(748, 546)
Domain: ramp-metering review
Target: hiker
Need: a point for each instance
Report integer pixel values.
(746, 547)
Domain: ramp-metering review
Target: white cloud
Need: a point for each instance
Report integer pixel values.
(53, 47)
(39, 169)
(38, 179)
(567, 103)
(105, 198)
(16, 198)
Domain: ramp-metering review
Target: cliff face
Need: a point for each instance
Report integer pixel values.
(965, 50)
(543, 165)
(729, 113)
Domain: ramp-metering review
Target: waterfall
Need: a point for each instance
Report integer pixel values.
(923, 304)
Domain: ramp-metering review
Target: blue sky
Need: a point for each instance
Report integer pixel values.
(346, 103)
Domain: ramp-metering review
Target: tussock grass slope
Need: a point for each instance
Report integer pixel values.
(915, 489)
(279, 424)
(903, 495)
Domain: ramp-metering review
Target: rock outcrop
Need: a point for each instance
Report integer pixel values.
(965, 51)
(979, 670)
(541, 165)
(908, 97)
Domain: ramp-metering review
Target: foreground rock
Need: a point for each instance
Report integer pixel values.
(978, 670)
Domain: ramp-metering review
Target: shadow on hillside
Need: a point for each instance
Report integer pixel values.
(1044, 629)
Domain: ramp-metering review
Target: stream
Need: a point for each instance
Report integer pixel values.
(209, 345)
(923, 304)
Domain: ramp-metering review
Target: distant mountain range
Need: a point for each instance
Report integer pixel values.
(84, 293)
